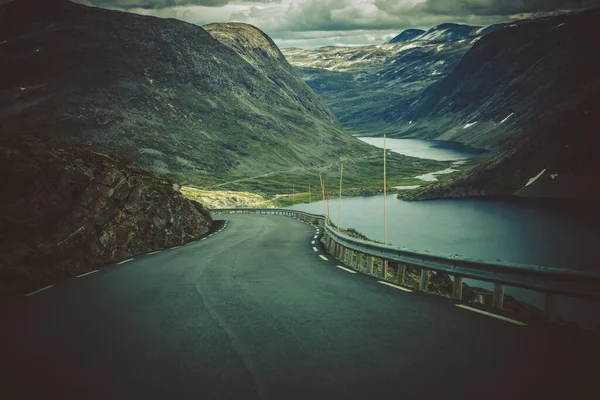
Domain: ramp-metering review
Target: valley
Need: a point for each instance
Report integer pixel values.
(523, 91)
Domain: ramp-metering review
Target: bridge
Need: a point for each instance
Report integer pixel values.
(271, 306)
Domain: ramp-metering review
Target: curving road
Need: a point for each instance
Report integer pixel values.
(253, 312)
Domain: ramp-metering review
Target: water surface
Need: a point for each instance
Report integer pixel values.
(530, 231)
(438, 150)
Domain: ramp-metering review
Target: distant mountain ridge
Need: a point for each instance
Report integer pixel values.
(445, 32)
(408, 35)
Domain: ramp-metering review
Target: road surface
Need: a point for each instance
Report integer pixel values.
(254, 312)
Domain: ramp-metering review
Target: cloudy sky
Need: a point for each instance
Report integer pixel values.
(313, 23)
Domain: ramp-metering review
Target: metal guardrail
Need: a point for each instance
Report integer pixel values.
(352, 251)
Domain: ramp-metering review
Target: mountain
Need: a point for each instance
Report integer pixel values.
(509, 78)
(408, 35)
(446, 32)
(369, 88)
(160, 92)
(530, 91)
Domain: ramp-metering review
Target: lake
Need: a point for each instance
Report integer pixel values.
(438, 150)
(530, 231)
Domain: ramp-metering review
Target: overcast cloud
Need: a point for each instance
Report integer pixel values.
(312, 23)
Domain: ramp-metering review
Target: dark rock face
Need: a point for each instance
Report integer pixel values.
(406, 36)
(534, 90)
(65, 211)
(511, 77)
(559, 148)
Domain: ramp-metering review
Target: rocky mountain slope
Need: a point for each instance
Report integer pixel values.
(510, 78)
(65, 211)
(369, 88)
(554, 157)
(160, 92)
(533, 91)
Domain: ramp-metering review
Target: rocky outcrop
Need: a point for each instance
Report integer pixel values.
(65, 211)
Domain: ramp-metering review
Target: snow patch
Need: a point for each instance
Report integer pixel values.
(563, 24)
(554, 176)
(535, 178)
(507, 118)
(440, 47)
(406, 187)
(470, 124)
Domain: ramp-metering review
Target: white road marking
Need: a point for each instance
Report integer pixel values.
(323, 258)
(346, 269)
(313, 242)
(40, 290)
(395, 286)
(489, 314)
(316, 236)
(176, 247)
(123, 262)
(87, 273)
(315, 249)
(190, 243)
(154, 252)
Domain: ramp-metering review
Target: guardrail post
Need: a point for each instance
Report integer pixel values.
(424, 282)
(400, 273)
(457, 288)
(551, 307)
(370, 262)
(359, 261)
(498, 299)
(384, 268)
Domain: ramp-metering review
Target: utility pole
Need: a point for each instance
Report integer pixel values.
(384, 191)
(293, 200)
(309, 195)
(323, 195)
(340, 197)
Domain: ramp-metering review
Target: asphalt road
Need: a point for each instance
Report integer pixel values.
(253, 312)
